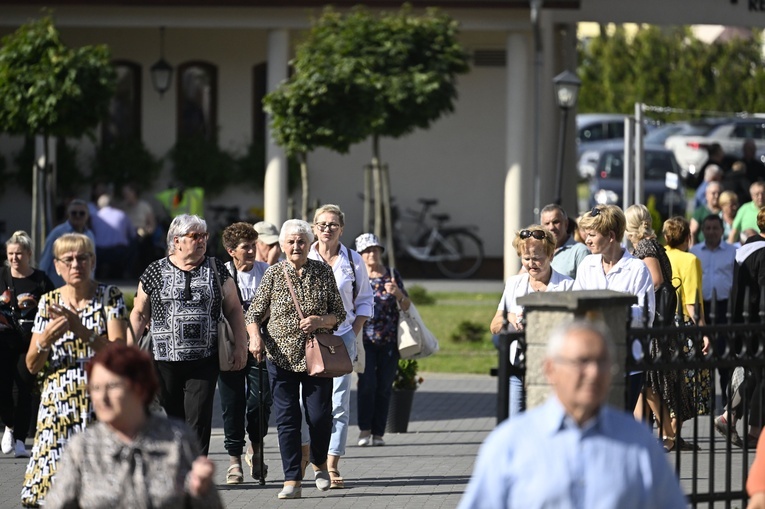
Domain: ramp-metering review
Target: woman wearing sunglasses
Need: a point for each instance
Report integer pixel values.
(535, 246)
(180, 301)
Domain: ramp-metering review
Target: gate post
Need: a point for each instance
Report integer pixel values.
(544, 311)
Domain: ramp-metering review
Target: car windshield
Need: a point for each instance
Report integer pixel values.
(657, 165)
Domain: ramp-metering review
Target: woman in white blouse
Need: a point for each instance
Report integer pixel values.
(536, 247)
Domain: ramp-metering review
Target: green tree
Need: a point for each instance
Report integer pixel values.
(371, 76)
(49, 89)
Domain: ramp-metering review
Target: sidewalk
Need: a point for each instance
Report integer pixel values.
(428, 467)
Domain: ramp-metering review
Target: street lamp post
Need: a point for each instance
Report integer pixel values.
(566, 94)
(161, 71)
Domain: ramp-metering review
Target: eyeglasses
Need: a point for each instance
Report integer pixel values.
(108, 387)
(81, 259)
(327, 226)
(196, 235)
(595, 212)
(580, 364)
(537, 234)
(77, 213)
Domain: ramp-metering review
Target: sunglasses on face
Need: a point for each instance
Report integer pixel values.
(537, 234)
(195, 235)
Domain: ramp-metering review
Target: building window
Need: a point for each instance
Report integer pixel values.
(124, 119)
(197, 100)
(259, 90)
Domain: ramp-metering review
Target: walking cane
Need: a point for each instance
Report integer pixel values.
(261, 424)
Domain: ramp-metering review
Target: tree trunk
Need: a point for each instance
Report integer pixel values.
(389, 247)
(45, 215)
(37, 238)
(367, 199)
(304, 178)
(377, 185)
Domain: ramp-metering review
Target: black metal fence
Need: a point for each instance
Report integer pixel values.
(712, 467)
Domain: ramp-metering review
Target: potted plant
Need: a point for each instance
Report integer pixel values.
(404, 384)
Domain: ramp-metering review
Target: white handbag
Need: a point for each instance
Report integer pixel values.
(415, 341)
(409, 334)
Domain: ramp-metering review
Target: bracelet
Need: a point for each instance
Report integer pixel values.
(40, 349)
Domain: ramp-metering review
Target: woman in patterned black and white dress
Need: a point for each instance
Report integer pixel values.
(72, 322)
(179, 299)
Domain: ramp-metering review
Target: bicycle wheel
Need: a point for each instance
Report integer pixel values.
(462, 254)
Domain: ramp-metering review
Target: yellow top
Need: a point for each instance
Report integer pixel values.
(686, 272)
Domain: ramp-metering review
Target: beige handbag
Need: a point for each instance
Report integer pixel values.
(226, 339)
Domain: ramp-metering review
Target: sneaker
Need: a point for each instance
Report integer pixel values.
(721, 426)
(365, 441)
(6, 445)
(21, 450)
(290, 491)
(378, 441)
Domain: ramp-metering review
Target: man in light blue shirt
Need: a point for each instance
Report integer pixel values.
(574, 451)
(717, 261)
(76, 222)
(568, 252)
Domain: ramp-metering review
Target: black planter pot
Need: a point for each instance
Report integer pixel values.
(399, 410)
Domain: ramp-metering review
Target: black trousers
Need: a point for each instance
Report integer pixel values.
(317, 401)
(721, 308)
(187, 392)
(240, 403)
(15, 412)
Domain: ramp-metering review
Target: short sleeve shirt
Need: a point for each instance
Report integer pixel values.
(185, 309)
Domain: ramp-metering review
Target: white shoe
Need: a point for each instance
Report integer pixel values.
(378, 441)
(6, 445)
(21, 450)
(365, 441)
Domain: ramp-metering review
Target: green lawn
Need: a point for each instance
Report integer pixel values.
(443, 318)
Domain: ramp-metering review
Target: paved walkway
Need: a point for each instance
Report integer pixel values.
(428, 467)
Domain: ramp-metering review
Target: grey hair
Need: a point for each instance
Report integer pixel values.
(553, 207)
(565, 328)
(182, 225)
(21, 238)
(712, 172)
(295, 227)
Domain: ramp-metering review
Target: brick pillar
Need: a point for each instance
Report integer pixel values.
(545, 310)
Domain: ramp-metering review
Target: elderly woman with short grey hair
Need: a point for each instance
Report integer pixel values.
(284, 347)
(180, 301)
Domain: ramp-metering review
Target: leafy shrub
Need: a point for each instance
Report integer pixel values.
(126, 161)
(199, 162)
(469, 332)
(420, 295)
(406, 376)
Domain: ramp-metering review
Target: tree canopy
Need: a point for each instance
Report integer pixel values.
(669, 67)
(48, 88)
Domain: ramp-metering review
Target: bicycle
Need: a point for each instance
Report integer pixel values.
(455, 250)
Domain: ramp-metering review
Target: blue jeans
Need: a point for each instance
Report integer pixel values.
(316, 397)
(375, 386)
(239, 400)
(341, 404)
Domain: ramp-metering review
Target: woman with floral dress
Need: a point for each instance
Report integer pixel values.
(72, 323)
(380, 342)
